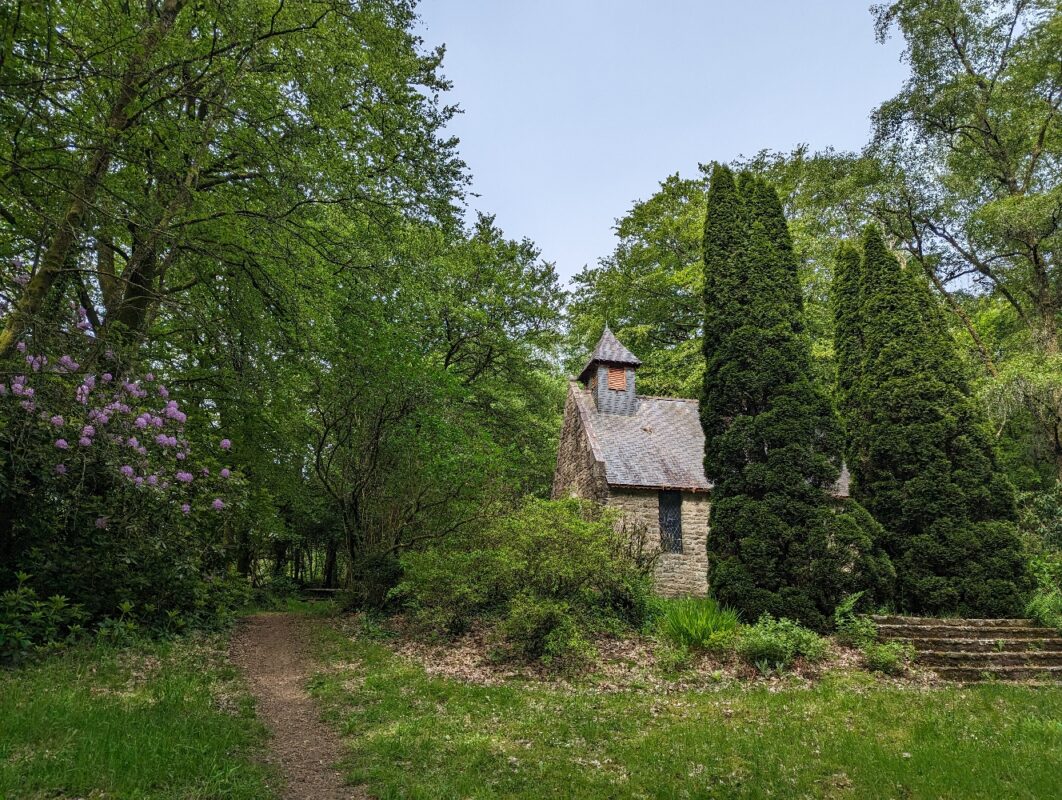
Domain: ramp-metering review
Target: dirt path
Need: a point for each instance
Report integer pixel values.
(274, 652)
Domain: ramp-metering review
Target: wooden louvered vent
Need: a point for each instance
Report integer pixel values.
(617, 378)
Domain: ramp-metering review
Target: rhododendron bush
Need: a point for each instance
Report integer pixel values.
(108, 490)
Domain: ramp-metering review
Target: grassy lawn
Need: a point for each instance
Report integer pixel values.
(848, 736)
(163, 720)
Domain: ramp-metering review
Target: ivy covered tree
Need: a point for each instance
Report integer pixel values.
(780, 541)
(921, 461)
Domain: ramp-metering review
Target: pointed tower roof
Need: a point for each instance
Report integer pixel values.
(609, 350)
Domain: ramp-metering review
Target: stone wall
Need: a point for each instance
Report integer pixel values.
(677, 574)
(578, 472)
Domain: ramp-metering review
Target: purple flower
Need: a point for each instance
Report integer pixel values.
(225, 472)
(142, 450)
(185, 508)
(101, 522)
(217, 505)
(184, 477)
(88, 430)
(60, 469)
(133, 442)
(139, 481)
(141, 422)
(107, 377)
(153, 480)
(126, 470)
(163, 392)
(84, 441)
(180, 456)
(149, 377)
(21, 347)
(83, 393)
(162, 439)
(60, 444)
(225, 444)
(28, 405)
(57, 421)
(68, 364)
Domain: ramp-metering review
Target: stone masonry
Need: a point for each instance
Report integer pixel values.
(676, 574)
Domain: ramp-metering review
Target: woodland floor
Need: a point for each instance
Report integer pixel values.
(274, 652)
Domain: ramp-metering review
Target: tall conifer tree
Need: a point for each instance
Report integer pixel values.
(921, 460)
(778, 543)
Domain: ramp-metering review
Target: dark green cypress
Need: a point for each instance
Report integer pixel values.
(848, 335)
(778, 541)
(921, 460)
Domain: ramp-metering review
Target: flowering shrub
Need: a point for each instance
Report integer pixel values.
(108, 496)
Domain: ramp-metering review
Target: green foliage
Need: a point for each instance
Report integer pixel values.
(780, 543)
(852, 628)
(549, 575)
(1040, 517)
(892, 658)
(29, 625)
(775, 643)
(921, 460)
(1045, 603)
(988, 203)
(698, 623)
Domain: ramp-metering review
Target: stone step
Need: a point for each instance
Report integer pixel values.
(898, 631)
(966, 674)
(990, 661)
(958, 622)
(1047, 644)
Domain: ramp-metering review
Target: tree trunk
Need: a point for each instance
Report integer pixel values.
(331, 559)
(63, 242)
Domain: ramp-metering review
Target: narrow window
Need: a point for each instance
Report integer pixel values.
(671, 521)
(617, 378)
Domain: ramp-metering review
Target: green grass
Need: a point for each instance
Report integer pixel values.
(161, 720)
(413, 736)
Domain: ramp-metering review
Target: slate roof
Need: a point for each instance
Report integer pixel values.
(660, 446)
(609, 351)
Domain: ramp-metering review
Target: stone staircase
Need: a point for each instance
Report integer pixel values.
(979, 649)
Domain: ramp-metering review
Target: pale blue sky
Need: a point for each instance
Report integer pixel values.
(574, 110)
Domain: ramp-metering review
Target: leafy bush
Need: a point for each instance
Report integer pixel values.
(548, 576)
(1040, 517)
(775, 643)
(699, 623)
(852, 628)
(891, 658)
(1045, 604)
(29, 624)
(112, 490)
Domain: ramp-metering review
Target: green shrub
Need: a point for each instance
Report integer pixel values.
(891, 658)
(775, 643)
(1040, 517)
(548, 577)
(29, 624)
(1045, 604)
(699, 623)
(852, 628)
(1045, 607)
(671, 658)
